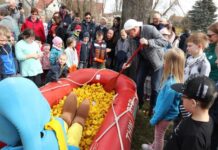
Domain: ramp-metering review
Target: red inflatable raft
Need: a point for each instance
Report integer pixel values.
(116, 130)
(117, 127)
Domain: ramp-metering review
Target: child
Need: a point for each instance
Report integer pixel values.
(38, 41)
(28, 54)
(84, 51)
(7, 63)
(56, 50)
(121, 51)
(72, 58)
(197, 62)
(198, 94)
(166, 108)
(45, 60)
(99, 51)
(58, 70)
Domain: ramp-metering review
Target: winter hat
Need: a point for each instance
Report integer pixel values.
(78, 27)
(132, 23)
(57, 40)
(86, 34)
(200, 88)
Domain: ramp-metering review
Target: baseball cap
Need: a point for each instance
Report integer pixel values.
(78, 27)
(131, 23)
(200, 88)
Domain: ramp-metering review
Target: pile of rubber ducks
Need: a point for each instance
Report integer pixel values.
(100, 102)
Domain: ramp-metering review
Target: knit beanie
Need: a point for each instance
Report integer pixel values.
(86, 34)
(57, 40)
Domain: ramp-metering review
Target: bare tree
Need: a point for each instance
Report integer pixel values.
(116, 5)
(156, 2)
(136, 9)
(172, 4)
(31, 3)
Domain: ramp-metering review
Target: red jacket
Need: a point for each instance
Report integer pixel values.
(36, 26)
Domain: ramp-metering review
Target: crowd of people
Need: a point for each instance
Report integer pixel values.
(45, 51)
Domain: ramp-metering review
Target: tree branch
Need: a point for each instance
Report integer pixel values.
(172, 4)
(155, 4)
(28, 2)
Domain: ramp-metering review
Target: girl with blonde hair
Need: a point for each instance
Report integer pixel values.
(167, 105)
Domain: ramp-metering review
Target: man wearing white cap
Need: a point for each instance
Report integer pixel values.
(150, 58)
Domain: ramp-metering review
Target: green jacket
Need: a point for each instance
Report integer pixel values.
(211, 56)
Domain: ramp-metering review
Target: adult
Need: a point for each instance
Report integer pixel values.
(28, 54)
(51, 21)
(102, 26)
(116, 28)
(8, 21)
(65, 16)
(212, 50)
(212, 56)
(156, 18)
(150, 58)
(66, 21)
(53, 24)
(34, 23)
(76, 21)
(88, 26)
(15, 11)
(111, 44)
(182, 39)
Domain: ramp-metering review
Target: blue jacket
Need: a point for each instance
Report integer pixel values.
(167, 105)
(7, 65)
(54, 54)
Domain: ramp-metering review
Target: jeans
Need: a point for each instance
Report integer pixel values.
(144, 69)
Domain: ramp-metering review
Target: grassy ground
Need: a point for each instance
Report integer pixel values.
(143, 131)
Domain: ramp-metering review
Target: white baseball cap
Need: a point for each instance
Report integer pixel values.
(132, 23)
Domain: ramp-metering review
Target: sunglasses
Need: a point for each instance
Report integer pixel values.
(210, 35)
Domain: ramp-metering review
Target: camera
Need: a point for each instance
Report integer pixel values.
(20, 6)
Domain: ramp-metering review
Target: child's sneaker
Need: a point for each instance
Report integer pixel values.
(146, 147)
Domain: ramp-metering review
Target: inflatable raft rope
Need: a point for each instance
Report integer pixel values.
(122, 112)
(116, 117)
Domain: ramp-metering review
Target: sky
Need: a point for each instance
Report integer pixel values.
(185, 4)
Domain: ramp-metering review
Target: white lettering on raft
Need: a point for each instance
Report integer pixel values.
(130, 105)
(98, 77)
(129, 131)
